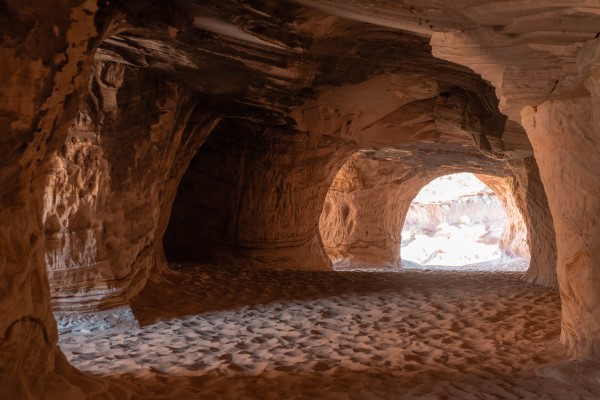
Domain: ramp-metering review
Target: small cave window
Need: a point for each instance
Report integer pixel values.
(457, 220)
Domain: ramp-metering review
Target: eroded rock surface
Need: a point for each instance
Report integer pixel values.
(252, 196)
(108, 196)
(367, 204)
(47, 57)
(548, 82)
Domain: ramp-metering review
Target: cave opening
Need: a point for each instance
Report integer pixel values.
(457, 220)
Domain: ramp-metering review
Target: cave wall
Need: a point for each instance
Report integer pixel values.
(46, 52)
(252, 196)
(514, 241)
(364, 211)
(531, 200)
(108, 196)
(566, 135)
(101, 194)
(555, 99)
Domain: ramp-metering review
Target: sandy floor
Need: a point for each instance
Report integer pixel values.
(418, 334)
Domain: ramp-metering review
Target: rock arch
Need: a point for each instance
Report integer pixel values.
(378, 191)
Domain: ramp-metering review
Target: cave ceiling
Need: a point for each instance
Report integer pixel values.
(364, 72)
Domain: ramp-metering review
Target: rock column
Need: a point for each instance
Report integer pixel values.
(566, 138)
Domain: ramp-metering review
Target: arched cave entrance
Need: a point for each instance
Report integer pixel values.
(252, 196)
(366, 206)
(457, 220)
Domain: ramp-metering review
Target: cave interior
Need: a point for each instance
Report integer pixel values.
(151, 151)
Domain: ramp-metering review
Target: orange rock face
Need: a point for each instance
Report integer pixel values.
(118, 164)
(269, 134)
(566, 164)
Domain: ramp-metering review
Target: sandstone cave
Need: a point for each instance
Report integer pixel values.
(180, 182)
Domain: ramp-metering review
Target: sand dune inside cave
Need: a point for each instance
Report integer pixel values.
(422, 334)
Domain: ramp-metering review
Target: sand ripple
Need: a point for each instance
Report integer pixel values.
(231, 333)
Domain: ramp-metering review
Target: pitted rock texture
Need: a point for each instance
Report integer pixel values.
(364, 211)
(367, 204)
(111, 182)
(47, 54)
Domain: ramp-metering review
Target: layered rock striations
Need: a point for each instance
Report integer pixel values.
(546, 79)
(364, 211)
(47, 52)
(566, 134)
(528, 193)
(108, 196)
(252, 196)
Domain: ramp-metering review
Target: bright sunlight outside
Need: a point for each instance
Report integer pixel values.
(455, 220)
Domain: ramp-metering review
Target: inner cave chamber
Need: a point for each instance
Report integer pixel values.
(150, 150)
